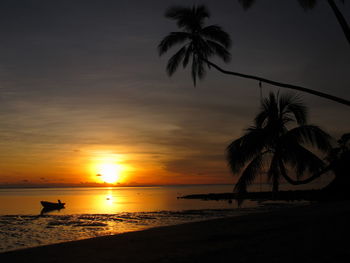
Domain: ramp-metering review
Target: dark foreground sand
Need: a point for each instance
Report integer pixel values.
(316, 233)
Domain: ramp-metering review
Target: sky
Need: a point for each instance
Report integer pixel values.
(82, 87)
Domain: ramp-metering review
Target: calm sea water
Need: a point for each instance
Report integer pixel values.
(92, 212)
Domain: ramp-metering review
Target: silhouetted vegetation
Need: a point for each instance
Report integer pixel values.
(275, 143)
(291, 195)
(338, 189)
(202, 42)
(272, 143)
(339, 163)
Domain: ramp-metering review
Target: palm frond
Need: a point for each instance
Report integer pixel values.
(188, 54)
(312, 135)
(216, 33)
(268, 111)
(191, 21)
(249, 174)
(201, 12)
(292, 107)
(261, 118)
(194, 70)
(246, 4)
(200, 69)
(242, 150)
(299, 111)
(220, 51)
(202, 48)
(301, 159)
(172, 39)
(188, 18)
(175, 60)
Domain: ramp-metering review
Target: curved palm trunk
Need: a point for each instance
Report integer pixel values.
(279, 84)
(308, 180)
(344, 25)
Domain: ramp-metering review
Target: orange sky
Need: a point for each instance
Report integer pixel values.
(82, 86)
(92, 166)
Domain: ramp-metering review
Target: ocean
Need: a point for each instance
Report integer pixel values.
(92, 212)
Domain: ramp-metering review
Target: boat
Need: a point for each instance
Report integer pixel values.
(52, 206)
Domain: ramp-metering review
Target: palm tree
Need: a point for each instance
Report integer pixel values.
(203, 42)
(272, 145)
(310, 4)
(338, 159)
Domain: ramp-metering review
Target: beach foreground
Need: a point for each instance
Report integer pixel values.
(315, 233)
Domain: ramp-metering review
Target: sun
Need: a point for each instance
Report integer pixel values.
(109, 172)
(108, 168)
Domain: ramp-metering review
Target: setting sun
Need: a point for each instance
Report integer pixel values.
(107, 168)
(110, 173)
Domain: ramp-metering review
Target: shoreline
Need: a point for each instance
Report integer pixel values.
(309, 233)
(56, 228)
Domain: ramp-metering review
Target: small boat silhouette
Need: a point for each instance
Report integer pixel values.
(50, 206)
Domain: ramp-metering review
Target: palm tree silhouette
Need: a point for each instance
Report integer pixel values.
(310, 4)
(271, 145)
(203, 42)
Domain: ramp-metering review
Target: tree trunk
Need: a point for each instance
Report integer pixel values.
(306, 181)
(344, 25)
(280, 84)
(339, 187)
(275, 186)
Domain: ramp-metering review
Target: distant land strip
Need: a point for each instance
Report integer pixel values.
(291, 195)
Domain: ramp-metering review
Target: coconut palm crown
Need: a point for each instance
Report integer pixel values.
(272, 146)
(199, 41)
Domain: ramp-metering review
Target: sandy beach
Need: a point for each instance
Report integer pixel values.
(314, 233)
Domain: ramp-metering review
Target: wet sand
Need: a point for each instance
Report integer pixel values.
(314, 233)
